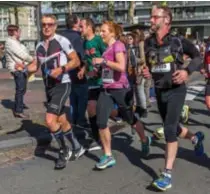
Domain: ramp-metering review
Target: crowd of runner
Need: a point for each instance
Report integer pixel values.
(109, 75)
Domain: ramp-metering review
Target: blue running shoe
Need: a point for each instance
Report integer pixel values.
(163, 183)
(199, 149)
(105, 162)
(145, 147)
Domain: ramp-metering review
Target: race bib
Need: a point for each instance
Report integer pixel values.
(163, 68)
(209, 68)
(108, 75)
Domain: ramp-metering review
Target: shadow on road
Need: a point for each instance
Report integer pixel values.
(41, 133)
(122, 142)
(187, 154)
(193, 122)
(8, 104)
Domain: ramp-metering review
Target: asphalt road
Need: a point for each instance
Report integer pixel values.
(131, 175)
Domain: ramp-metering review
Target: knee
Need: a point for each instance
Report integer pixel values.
(170, 132)
(129, 116)
(101, 123)
(49, 121)
(208, 103)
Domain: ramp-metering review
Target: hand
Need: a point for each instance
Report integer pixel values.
(81, 73)
(19, 66)
(204, 73)
(145, 72)
(96, 61)
(56, 72)
(180, 76)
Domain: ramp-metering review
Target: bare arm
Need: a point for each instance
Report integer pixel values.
(74, 61)
(120, 64)
(142, 53)
(33, 67)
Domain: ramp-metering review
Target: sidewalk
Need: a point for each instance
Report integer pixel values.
(5, 75)
(17, 132)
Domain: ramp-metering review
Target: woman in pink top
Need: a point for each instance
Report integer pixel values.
(115, 90)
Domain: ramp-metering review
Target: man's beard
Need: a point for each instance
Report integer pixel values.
(154, 28)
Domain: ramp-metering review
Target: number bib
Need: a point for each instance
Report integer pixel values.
(208, 68)
(163, 68)
(108, 75)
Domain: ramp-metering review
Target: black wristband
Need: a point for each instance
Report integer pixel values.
(187, 70)
(63, 69)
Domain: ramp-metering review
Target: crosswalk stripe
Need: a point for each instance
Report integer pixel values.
(193, 92)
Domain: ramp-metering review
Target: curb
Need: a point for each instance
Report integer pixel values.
(42, 140)
(25, 141)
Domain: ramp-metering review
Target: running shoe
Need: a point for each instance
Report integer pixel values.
(199, 148)
(77, 153)
(145, 147)
(185, 114)
(163, 183)
(64, 156)
(105, 162)
(159, 133)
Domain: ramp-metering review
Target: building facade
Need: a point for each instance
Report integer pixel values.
(189, 17)
(26, 20)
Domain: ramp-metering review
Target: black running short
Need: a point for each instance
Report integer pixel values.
(93, 94)
(207, 93)
(56, 98)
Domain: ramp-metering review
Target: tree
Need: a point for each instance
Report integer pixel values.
(70, 7)
(111, 10)
(16, 15)
(131, 12)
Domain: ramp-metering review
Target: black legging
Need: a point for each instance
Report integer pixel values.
(107, 98)
(170, 103)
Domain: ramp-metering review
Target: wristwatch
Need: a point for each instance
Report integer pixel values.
(63, 69)
(104, 61)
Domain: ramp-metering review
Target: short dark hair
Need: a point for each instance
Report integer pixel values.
(71, 20)
(90, 22)
(12, 27)
(50, 16)
(167, 11)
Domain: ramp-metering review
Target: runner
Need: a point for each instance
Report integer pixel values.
(115, 90)
(94, 47)
(164, 56)
(53, 54)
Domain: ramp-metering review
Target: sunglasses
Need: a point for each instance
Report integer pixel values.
(48, 24)
(157, 16)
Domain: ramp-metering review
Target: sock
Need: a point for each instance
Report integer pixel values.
(167, 172)
(94, 128)
(60, 139)
(74, 142)
(195, 140)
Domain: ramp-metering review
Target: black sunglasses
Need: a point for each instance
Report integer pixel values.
(48, 24)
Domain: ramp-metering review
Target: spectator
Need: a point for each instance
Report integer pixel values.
(16, 53)
(79, 90)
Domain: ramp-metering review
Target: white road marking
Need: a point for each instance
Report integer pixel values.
(193, 92)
